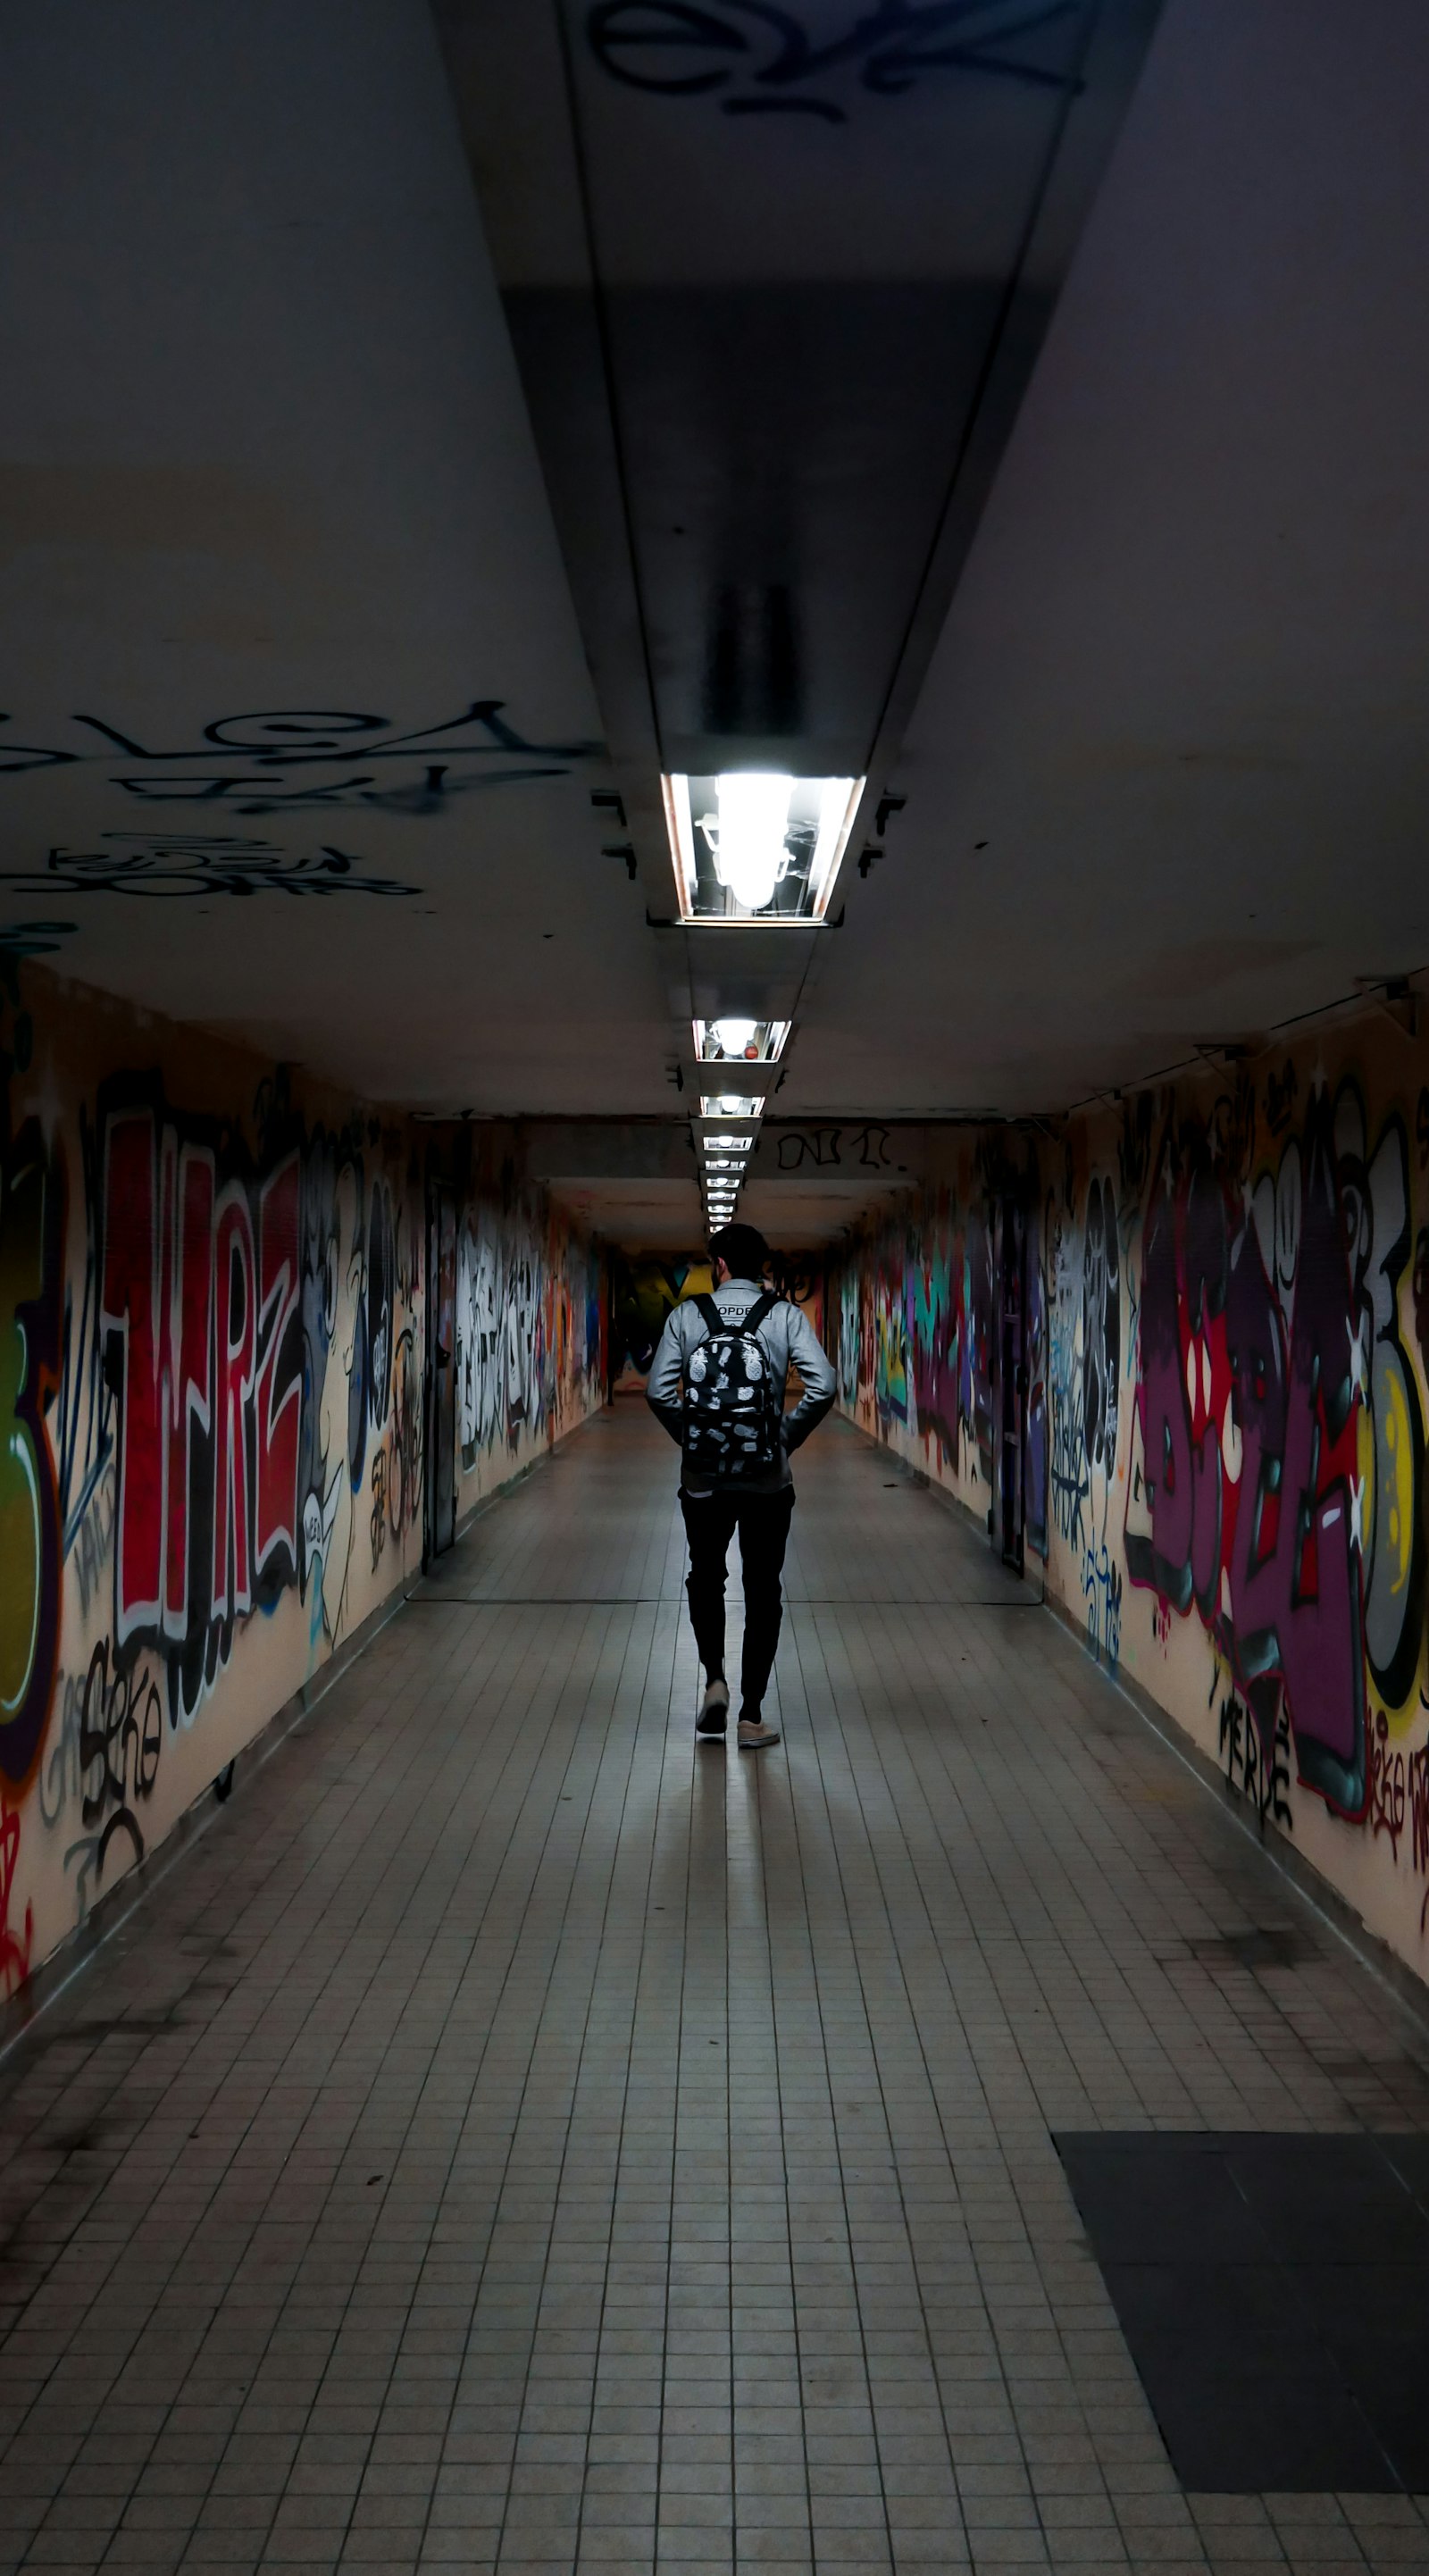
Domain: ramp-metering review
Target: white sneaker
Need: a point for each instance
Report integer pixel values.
(754, 1734)
(714, 1710)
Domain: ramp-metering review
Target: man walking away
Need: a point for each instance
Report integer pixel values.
(717, 1383)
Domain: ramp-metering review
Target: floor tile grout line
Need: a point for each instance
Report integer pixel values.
(511, 1970)
(878, 2078)
(625, 2088)
(413, 2115)
(275, 2327)
(780, 2095)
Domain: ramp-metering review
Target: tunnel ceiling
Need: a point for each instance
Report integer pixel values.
(1039, 428)
(299, 737)
(1168, 776)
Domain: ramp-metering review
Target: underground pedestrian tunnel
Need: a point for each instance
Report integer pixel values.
(617, 618)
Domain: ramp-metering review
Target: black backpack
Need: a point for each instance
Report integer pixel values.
(734, 1412)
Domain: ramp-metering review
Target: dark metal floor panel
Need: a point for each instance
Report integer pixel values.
(1274, 2292)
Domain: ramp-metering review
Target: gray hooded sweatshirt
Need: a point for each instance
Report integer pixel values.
(786, 1334)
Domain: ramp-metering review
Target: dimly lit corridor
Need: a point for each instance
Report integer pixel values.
(510, 2133)
(712, 722)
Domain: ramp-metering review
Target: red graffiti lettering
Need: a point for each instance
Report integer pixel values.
(202, 1327)
(279, 1389)
(186, 1371)
(132, 1304)
(14, 1946)
(235, 1342)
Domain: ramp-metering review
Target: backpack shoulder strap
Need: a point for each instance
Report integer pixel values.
(761, 1307)
(709, 1312)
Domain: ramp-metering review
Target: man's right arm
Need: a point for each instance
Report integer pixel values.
(664, 1388)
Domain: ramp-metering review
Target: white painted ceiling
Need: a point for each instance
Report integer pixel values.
(1181, 695)
(263, 448)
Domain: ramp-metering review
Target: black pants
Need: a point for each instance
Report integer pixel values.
(762, 1521)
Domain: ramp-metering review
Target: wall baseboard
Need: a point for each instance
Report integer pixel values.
(1384, 1963)
(1310, 1884)
(950, 1499)
(113, 1907)
(518, 1476)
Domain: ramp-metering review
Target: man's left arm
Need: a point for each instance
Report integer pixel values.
(820, 1385)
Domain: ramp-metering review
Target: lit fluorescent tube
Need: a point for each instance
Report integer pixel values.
(756, 845)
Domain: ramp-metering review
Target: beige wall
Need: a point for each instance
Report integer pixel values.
(212, 1431)
(1226, 1313)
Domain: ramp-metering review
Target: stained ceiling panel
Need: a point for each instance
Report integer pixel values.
(1167, 779)
(298, 736)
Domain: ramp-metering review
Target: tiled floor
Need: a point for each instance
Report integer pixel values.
(431, 2176)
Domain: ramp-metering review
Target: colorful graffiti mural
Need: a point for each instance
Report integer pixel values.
(1224, 1418)
(530, 1334)
(1245, 1496)
(246, 1319)
(212, 1415)
(918, 1333)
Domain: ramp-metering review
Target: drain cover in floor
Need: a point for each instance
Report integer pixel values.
(1274, 2292)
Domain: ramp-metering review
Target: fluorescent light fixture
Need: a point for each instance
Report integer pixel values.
(737, 1106)
(746, 834)
(756, 845)
(676, 794)
(736, 1037)
(836, 811)
(728, 1144)
(730, 1040)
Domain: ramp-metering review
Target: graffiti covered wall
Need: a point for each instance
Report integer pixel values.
(531, 1330)
(915, 1313)
(1222, 1308)
(212, 1415)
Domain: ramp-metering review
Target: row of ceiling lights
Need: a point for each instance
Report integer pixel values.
(726, 1149)
(759, 847)
(757, 844)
